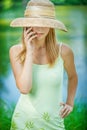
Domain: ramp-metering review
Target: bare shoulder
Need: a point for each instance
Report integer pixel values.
(15, 50)
(66, 52)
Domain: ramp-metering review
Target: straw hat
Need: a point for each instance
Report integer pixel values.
(39, 13)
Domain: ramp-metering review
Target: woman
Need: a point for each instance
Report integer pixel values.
(38, 65)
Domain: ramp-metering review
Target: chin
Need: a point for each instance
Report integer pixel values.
(40, 38)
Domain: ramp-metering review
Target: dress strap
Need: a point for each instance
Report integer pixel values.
(60, 48)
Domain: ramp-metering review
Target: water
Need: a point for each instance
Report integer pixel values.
(75, 19)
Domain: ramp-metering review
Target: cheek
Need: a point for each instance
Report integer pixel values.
(46, 31)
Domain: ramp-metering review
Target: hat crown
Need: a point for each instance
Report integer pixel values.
(39, 13)
(40, 8)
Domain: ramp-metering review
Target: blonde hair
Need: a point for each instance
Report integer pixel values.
(52, 49)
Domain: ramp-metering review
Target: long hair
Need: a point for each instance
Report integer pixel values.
(52, 49)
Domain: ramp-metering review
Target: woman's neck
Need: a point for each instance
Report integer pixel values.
(39, 44)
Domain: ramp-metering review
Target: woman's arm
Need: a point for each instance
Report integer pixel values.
(69, 66)
(72, 75)
(23, 73)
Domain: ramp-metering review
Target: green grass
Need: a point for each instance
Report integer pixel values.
(6, 112)
(75, 121)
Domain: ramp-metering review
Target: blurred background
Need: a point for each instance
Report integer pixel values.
(74, 14)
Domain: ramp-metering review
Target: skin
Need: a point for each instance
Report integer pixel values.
(36, 53)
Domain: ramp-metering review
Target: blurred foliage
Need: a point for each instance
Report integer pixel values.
(70, 2)
(77, 120)
(8, 37)
(6, 4)
(5, 115)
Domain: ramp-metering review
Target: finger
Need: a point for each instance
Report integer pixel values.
(28, 30)
(69, 107)
(32, 37)
(27, 36)
(62, 104)
(68, 113)
(64, 113)
(24, 32)
(63, 109)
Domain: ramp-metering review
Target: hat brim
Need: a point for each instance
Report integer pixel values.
(38, 22)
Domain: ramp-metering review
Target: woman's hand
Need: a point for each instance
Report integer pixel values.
(29, 35)
(65, 110)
